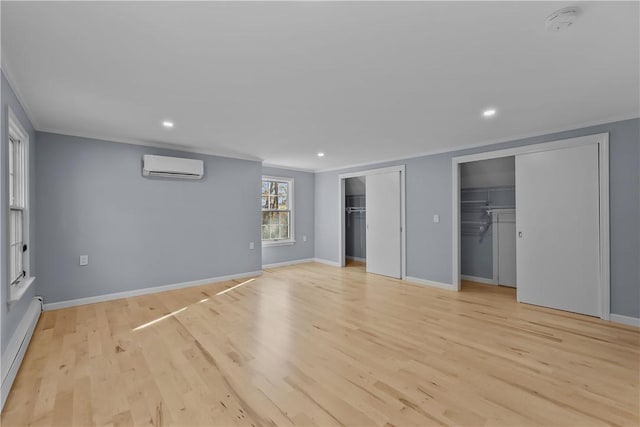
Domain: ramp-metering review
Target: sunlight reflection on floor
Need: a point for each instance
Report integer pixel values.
(184, 308)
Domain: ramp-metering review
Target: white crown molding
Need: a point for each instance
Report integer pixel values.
(485, 143)
(6, 70)
(189, 149)
(289, 168)
(163, 145)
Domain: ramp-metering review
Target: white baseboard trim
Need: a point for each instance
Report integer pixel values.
(431, 283)
(355, 258)
(327, 262)
(478, 279)
(285, 263)
(14, 353)
(627, 320)
(145, 291)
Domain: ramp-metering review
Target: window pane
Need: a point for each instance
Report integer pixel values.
(12, 172)
(12, 264)
(273, 231)
(282, 203)
(15, 245)
(283, 188)
(19, 227)
(284, 218)
(284, 231)
(275, 204)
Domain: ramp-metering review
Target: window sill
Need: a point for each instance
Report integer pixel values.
(267, 244)
(18, 291)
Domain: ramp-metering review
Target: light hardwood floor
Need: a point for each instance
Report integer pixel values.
(317, 345)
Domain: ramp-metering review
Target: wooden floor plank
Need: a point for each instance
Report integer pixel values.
(314, 345)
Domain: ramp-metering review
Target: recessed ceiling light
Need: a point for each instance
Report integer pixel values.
(489, 112)
(321, 154)
(167, 124)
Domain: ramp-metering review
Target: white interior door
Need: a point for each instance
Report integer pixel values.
(505, 226)
(557, 221)
(383, 241)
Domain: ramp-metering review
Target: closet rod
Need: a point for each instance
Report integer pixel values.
(356, 210)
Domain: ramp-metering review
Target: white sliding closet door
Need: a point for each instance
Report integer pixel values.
(383, 224)
(557, 220)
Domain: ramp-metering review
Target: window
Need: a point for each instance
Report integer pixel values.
(18, 173)
(277, 210)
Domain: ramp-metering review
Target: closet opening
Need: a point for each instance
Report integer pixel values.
(355, 221)
(562, 222)
(372, 220)
(488, 225)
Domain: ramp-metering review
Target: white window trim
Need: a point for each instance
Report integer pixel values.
(291, 240)
(16, 291)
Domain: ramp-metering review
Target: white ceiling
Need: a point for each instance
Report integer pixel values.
(360, 81)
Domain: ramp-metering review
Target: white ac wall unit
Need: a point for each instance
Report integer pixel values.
(172, 167)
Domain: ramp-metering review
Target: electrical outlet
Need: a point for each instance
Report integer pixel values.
(436, 218)
(252, 245)
(84, 259)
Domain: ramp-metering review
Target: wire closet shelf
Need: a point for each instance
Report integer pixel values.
(477, 205)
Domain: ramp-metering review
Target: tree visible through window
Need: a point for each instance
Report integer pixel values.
(276, 202)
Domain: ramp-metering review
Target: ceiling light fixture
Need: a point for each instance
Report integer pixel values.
(321, 154)
(167, 124)
(489, 112)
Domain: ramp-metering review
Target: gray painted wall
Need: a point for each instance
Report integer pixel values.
(355, 186)
(138, 232)
(428, 185)
(12, 315)
(303, 199)
(488, 173)
(476, 253)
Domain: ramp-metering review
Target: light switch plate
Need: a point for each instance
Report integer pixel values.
(304, 238)
(84, 259)
(436, 218)
(252, 245)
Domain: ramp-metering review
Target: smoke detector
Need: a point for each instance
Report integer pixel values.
(561, 20)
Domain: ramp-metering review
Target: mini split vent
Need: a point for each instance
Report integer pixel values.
(172, 167)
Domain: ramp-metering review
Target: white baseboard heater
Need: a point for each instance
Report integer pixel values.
(14, 353)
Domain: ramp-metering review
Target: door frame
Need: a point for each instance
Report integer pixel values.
(403, 210)
(602, 141)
